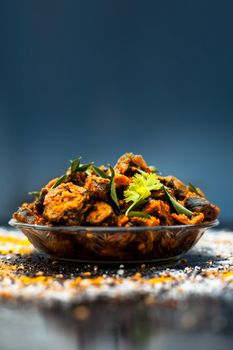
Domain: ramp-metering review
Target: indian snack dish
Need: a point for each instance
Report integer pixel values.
(125, 213)
(129, 194)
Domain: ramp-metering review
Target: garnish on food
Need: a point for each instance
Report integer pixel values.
(99, 172)
(180, 209)
(34, 193)
(61, 179)
(140, 189)
(75, 167)
(195, 189)
(130, 193)
(113, 193)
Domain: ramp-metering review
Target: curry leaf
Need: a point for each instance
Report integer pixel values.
(34, 193)
(193, 189)
(88, 171)
(75, 165)
(140, 214)
(154, 169)
(113, 193)
(99, 172)
(61, 179)
(180, 209)
(84, 167)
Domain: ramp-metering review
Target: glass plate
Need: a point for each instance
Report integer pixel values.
(159, 244)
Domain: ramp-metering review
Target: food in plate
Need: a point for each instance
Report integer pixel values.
(129, 194)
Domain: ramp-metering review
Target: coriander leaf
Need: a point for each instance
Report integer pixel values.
(140, 189)
(34, 193)
(140, 214)
(112, 187)
(60, 180)
(180, 209)
(99, 172)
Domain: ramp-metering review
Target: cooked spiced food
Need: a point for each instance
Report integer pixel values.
(131, 193)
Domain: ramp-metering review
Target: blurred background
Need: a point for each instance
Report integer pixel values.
(101, 78)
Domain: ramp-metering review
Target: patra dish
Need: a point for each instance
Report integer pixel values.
(128, 212)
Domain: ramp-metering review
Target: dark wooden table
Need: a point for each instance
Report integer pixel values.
(46, 304)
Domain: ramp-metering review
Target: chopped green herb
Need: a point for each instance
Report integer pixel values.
(140, 189)
(99, 172)
(34, 193)
(113, 193)
(177, 206)
(88, 171)
(84, 167)
(193, 189)
(141, 171)
(61, 179)
(75, 165)
(154, 169)
(140, 214)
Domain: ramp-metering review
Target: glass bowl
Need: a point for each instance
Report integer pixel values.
(159, 244)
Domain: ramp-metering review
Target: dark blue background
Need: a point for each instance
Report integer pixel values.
(99, 78)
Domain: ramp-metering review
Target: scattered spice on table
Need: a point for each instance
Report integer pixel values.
(33, 277)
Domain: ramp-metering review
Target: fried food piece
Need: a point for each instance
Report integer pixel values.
(199, 204)
(159, 194)
(178, 188)
(129, 163)
(159, 209)
(97, 187)
(85, 197)
(51, 183)
(101, 211)
(66, 204)
(39, 202)
(122, 220)
(197, 218)
(26, 213)
(138, 221)
(121, 180)
(77, 178)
